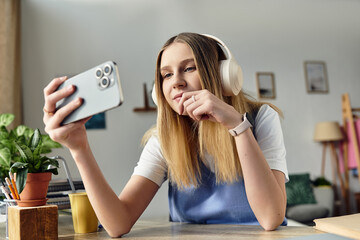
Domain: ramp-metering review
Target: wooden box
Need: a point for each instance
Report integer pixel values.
(40, 223)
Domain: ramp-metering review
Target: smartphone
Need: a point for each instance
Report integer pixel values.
(100, 89)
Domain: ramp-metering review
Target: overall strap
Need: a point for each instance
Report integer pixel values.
(251, 118)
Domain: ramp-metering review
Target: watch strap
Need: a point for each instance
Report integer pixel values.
(242, 127)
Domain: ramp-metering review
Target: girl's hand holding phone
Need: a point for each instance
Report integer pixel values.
(70, 103)
(72, 135)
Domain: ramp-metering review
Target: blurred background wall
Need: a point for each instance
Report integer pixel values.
(67, 37)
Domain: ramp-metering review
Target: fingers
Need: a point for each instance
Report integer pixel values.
(53, 85)
(51, 100)
(196, 104)
(61, 113)
(186, 99)
(203, 105)
(52, 95)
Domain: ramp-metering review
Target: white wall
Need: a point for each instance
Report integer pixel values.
(67, 37)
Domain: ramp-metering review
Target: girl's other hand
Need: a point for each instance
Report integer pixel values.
(203, 105)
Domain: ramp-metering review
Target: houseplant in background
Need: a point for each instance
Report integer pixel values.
(22, 152)
(321, 182)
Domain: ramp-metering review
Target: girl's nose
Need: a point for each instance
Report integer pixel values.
(179, 81)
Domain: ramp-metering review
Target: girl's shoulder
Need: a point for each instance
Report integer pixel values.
(266, 115)
(265, 111)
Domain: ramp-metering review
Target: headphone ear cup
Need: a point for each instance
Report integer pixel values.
(153, 95)
(231, 77)
(225, 78)
(236, 76)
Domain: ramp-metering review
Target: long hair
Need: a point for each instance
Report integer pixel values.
(185, 143)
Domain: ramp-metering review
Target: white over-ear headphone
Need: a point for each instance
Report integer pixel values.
(230, 73)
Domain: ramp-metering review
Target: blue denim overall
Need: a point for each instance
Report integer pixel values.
(212, 203)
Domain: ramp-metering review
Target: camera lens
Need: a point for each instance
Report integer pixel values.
(98, 73)
(104, 82)
(107, 69)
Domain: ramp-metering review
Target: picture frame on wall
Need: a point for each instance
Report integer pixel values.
(265, 82)
(316, 77)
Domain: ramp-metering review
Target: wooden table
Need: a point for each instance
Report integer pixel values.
(162, 229)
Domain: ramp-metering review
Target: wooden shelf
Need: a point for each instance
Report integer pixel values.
(145, 109)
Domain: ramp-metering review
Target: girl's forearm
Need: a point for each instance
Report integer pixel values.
(264, 187)
(111, 212)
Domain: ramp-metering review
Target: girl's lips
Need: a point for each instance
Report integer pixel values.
(177, 97)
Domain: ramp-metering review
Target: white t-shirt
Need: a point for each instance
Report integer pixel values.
(269, 136)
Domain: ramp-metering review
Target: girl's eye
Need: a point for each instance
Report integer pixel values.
(188, 69)
(167, 75)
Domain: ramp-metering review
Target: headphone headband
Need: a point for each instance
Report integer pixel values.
(228, 53)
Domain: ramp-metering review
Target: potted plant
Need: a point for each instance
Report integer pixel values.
(321, 182)
(22, 152)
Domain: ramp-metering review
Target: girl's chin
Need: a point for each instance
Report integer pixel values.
(184, 113)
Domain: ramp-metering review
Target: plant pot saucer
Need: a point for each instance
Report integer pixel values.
(31, 203)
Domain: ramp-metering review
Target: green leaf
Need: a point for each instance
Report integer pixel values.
(45, 150)
(21, 177)
(20, 130)
(8, 144)
(5, 157)
(18, 165)
(6, 119)
(47, 142)
(35, 139)
(37, 152)
(50, 162)
(31, 169)
(25, 152)
(21, 139)
(50, 165)
(4, 134)
(53, 171)
(12, 135)
(28, 132)
(16, 159)
(38, 165)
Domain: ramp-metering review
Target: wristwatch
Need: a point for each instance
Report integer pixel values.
(242, 127)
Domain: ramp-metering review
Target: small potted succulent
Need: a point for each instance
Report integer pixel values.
(22, 152)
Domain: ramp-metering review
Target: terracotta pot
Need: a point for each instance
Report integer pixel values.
(35, 190)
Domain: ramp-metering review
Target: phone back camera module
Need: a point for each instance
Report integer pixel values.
(104, 76)
(107, 70)
(98, 73)
(104, 82)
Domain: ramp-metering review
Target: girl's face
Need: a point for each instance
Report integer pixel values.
(179, 73)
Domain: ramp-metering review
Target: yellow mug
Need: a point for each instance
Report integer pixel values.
(83, 215)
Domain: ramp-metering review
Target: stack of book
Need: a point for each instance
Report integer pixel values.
(58, 191)
(347, 225)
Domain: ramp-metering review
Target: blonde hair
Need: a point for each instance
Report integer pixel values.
(180, 138)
